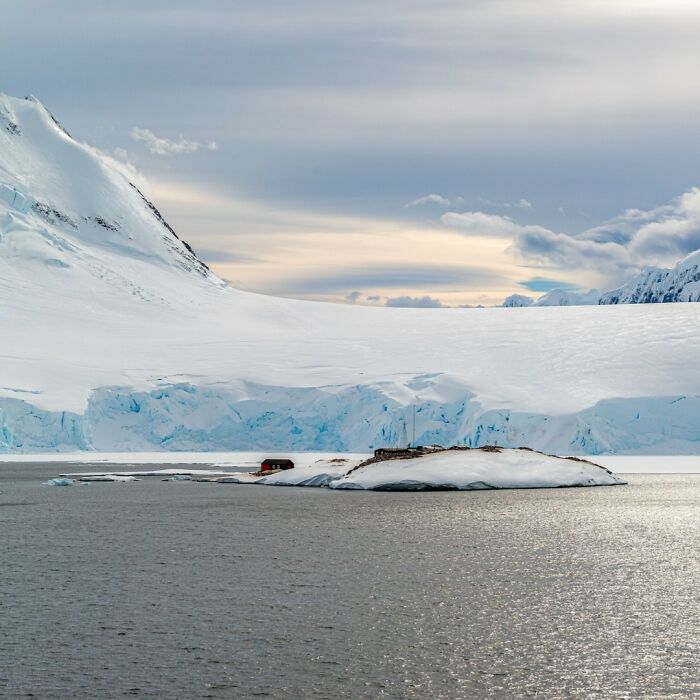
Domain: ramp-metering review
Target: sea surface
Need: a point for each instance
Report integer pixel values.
(196, 590)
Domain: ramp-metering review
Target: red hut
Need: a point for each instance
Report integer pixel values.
(273, 464)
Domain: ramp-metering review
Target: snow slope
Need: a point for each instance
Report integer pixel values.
(654, 285)
(464, 470)
(115, 338)
(563, 297)
(555, 297)
(476, 470)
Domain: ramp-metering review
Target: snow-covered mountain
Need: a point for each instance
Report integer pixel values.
(113, 336)
(563, 297)
(64, 207)
(655, 286)
(517, 301)
(555, 297)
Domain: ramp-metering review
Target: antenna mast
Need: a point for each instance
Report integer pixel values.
(413, 443)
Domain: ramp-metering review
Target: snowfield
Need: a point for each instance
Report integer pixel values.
(114, 337)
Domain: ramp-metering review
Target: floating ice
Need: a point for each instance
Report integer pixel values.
(59, 482)
(109, 477)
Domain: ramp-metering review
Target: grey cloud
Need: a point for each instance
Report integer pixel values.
(426, 302)
(561, 250)
(625, 243)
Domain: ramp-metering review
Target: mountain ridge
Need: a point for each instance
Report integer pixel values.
(654, 285)
(72, 201)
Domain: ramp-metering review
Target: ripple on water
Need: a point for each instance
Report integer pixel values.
(201, 591)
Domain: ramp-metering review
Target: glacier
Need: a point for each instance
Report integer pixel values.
(115, 337)
(356, 419)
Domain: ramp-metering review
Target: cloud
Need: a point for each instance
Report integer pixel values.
(545, 247)
(406, 276)
(542, 284)
(431, 199)
(426, 302)
(622, 245)
(166, 147)
(353, 297)
(520, 204)
(479, 223)
(211, 255)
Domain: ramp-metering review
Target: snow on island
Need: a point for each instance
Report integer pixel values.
(410, 469)
(461, 469)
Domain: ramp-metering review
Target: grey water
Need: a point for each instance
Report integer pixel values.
(195, 590)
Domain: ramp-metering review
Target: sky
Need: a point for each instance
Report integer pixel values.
(402, 153)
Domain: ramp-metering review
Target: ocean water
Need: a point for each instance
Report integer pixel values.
(193, 590)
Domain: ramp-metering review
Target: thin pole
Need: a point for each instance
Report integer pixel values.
(414, 425)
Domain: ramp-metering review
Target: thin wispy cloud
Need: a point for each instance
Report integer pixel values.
(394, 276)
(429, 199)
(168, 147)
(479, 223)
(522, 203)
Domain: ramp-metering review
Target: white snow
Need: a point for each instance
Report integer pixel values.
(59, 482)
(555, 297)
(114, 338)
(655, 285)
(452, 469)
(154, 472)
(476, 469)
(115, 478)
(564, 297)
